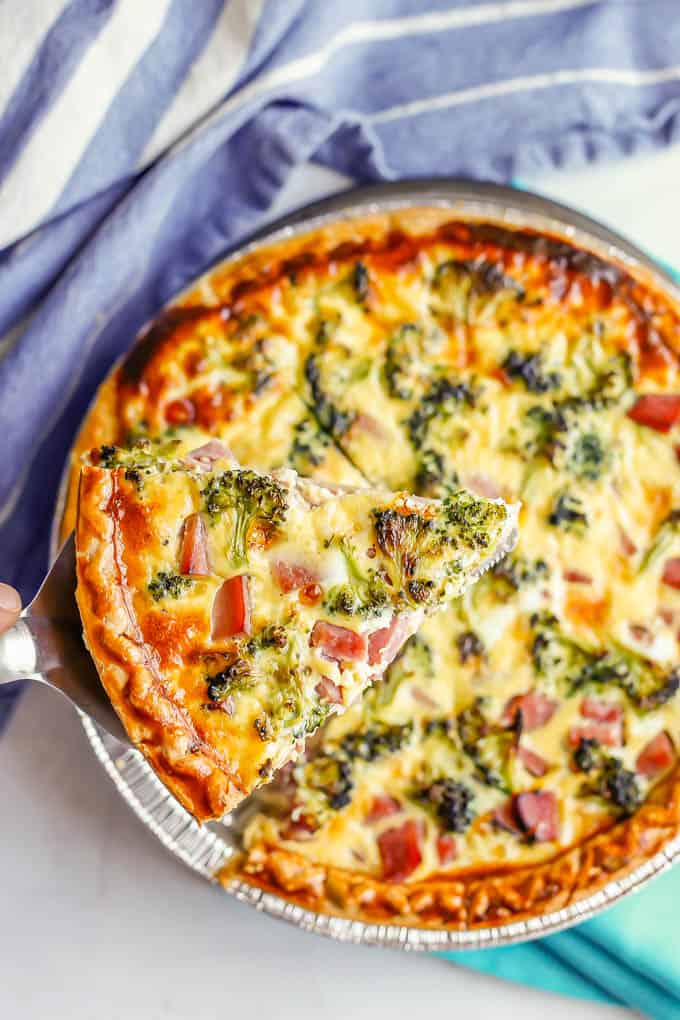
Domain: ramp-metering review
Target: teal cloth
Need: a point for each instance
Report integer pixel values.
(628, 955)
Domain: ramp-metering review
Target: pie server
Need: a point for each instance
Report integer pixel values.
(46, 644)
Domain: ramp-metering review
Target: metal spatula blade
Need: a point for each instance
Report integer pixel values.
(46, 645)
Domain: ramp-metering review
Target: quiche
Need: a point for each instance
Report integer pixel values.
(231, 613)
(521, 750)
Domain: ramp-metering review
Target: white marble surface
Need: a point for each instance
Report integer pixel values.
(99, 921)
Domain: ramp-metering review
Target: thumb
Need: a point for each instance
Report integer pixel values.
(10, 606)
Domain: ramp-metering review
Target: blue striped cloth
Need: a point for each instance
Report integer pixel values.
(138, 140)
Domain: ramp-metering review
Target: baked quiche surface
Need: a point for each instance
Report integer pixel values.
(522, 749)
(231, 613)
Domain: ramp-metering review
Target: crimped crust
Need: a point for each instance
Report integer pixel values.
(474, 900)
(128, 668)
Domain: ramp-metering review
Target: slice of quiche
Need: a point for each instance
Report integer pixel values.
(230, 613)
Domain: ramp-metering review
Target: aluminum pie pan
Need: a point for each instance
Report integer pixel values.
(206, 849)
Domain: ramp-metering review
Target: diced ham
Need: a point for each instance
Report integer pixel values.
(367, 423)
(423, 698)
(311, 594)
(504, 817)
(671, 572)
(328, 691)
(299, 828)
(180, 412)
(532, 761)
(400, 850)
(384, 644)
(203, 457)
(659, 411)
(643, 635)
(577, 577)
(626, 543)
(193, 556)
(483, 485)
(656, 756)
(538, 814)
(382, 806)
(338, 643)
(608, 733)
(291, 576)
(536, 709)
(601, 711)
(446, 849)
(231, 609)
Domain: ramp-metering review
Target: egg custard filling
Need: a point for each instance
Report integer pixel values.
(231, 613)
(521, 750)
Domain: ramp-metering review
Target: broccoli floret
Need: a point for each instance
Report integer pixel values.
(432, 478)
(620, 785)
(588, 457)
(165, 585)
(441, 400)
(565, 663)
(107, 456)
(360, 281)
(329, 417)
(475, 290)
(567, 513)
(607, 387)
(587, 755)
(257, 367)
(529, 369)
(411, 543)
(440, 728)
(325, 330)
(233, 679)
(367, 600)
(607, 778)
(403, 362)
(271, 636)
(290, 712)
(476, 520)
(489, 747)
(316, 717)
(256, 501)
(667, 534)
(144, 455)
(376, 741)
(646, 683)
(548, 425)
(450, 801)
(332, 777)
(518, 572)
(363, 594)
(309, 447)
(414, 662)
(469, 646)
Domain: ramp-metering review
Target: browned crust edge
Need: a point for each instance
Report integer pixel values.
(468, 901)
(156, 724)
